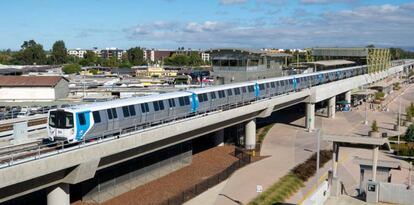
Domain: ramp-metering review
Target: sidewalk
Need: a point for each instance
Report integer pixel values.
(290, 144)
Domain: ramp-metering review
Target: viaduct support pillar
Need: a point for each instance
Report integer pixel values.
(59, 194)
(331, 107)
(348, 96)
(310, 116)
(250, 133)
(336, 185)
(374, 163)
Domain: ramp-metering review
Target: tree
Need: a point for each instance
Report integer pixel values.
(71, 68)
(111, 62)
(177, 60)
(59, 52)
(31, 53)
(409, 134)
(89, 59)
(195, 59)
(374, 126)
(135, 56)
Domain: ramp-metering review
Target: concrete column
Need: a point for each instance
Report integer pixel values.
(348, 96)
(374, 163)
(331, 107)
(250, 134)
(335, 157)
(310, 116)
(59, 194)
(219, 137)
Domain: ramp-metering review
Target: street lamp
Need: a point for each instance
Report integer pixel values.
(366, 108)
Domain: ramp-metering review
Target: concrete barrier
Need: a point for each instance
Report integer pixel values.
(395, 194)
(319, 196)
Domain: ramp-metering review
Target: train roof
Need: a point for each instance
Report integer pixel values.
(221, 87)
(127, 101)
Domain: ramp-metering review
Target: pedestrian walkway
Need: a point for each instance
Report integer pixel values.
(289, 144)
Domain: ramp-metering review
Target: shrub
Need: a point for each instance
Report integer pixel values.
(409, 134)
(374, 126)
(71, 68)
(379, 95)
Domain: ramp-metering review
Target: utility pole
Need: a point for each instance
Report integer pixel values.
(318, 148)
(366, 108)
(399, 122)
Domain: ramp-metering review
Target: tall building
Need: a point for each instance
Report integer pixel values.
(78, 52)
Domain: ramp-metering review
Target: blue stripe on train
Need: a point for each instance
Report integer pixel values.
(194, 102)
(256, 90)
(82, 129)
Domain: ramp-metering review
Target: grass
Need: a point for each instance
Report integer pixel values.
(406, 149)
(395, 138)
(281, 190)
(262, 132)
(289, 184)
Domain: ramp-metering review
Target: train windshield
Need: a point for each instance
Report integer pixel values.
(61, 119)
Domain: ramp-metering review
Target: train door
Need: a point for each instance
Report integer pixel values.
(113, 123)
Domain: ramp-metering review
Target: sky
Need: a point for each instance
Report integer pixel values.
(203, 24)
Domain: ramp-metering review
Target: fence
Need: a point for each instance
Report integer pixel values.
(244, 158)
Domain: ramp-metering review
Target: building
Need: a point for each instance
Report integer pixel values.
(33, 88)
(238, 65)
(157, 55)
(78, 52)
(155, 72)
(205, 56)
(377, 59)
(110, 52)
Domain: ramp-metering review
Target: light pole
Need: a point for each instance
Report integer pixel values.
(318, 148)
(366, 106)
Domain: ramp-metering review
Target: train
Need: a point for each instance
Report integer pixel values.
(111, 118)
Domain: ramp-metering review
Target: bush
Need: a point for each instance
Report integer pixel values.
(379, 95)
(374, 126)
(409, 134)
(71, 68)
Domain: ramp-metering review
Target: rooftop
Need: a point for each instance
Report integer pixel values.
(30, 81)
(331, 62)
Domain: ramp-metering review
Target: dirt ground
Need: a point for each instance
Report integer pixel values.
(204, 165)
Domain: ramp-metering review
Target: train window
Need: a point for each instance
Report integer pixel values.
(156, 107)
(125, 110)
(244, 90)
(229, 92)
(290, 81)
(221, 94)
(237, 91)
(200, 97)
(282, 83)
(181, 101)
(109, 114)
(82, 120)
(171, 102)
(261, 87)
(114, 113)
(267, 85)
(132, 110)
(161, 104)
(96, 116)
(272, 84)
(142, 108)
(213, 95)
(187, 100)
(251, 88)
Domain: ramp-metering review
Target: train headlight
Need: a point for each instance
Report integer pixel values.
(72, 131)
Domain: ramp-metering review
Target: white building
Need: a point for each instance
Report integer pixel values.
(78, 52)
(205, 56)
(33, 88)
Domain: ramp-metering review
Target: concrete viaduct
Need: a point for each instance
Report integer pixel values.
(59, 169)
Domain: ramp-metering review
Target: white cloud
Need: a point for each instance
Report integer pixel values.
(383, 25)
(326, 1)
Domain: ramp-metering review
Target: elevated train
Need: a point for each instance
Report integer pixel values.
(84, 122)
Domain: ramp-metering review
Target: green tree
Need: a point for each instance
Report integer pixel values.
(71, 68)
(111, 62)
(31, 53)
(177, 60)
(5, 57)
(194, 59)
(89, 59)
(135, 56)
(409, 134)
(59, 52)
(374, 126)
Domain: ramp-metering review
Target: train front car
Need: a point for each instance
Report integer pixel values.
(68, 125)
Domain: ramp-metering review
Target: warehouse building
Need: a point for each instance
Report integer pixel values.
(377, 59)
(33, 88)
(239, 65)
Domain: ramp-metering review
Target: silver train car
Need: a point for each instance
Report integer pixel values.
(84, 122)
